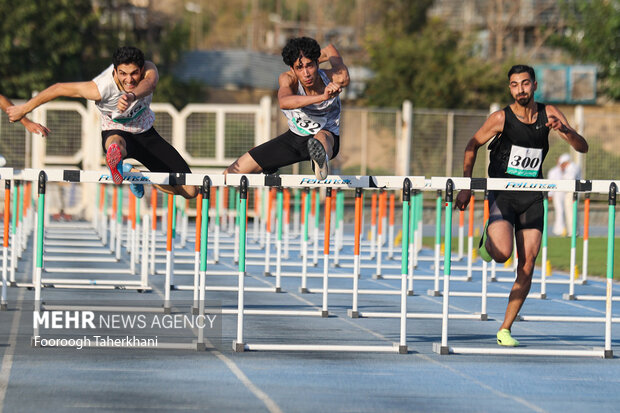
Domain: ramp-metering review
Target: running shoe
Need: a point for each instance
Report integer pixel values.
(484, 254)
(136, 189)
(505, 339)
(114, 159)
(320, 162)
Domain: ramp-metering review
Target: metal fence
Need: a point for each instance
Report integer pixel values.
(374, 141)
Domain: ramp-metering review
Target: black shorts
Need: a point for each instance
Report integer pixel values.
(286, 149)
(524, 210)
(151, 150)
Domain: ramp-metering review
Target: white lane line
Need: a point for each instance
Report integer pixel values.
(7, 360)
(261, 395)
(485, 386)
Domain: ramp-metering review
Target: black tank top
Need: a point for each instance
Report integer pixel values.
(520, 149)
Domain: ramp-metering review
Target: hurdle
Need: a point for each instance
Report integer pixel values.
(198, 345)
(420, 184)
(534, 185)
(239, 345)
(94, 177)
(5, 174)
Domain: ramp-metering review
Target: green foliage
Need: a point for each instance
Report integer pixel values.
(592, 36)
(179, 93)
(433, 69)
(43, 41)
(400, 17)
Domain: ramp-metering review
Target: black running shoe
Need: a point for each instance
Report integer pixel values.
(320, 162)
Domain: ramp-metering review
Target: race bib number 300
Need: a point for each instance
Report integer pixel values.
(524, 162)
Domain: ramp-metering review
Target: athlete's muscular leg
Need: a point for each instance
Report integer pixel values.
(327, 139)
(186, 191)
(499, 240)
(120, 141)
(528, 245)
(244, 165)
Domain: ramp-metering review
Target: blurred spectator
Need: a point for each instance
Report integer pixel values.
(563, 201)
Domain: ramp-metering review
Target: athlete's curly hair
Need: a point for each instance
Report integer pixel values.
(128, 55)
(297, 46)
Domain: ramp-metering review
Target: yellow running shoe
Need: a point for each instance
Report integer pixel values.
(484, 254)
(505, 339)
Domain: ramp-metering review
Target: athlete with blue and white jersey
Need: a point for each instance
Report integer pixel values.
(309, 98)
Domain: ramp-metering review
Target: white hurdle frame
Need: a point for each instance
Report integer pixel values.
(531, 185)
(244, 182)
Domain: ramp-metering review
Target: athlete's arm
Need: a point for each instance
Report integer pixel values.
(289, 99)
(145, 87)
(491, 127)
(557, 121)
(30, 126)
(87, 90)
(338, 73)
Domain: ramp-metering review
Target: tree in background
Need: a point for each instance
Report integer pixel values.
(49, 41)
(593, 35)
(433, 67)
(44, 41)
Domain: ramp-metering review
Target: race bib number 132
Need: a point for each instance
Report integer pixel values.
(308, 125)
(524, 162)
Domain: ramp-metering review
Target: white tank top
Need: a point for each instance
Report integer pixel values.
(310, 119)
(137, 118)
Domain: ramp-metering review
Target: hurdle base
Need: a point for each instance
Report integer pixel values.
(403, 349)
(4, 307)
(484, 317)
(608, 354)
(543, 296)
(353, 314)
(200, 347)
(167, 310)
(441, 350)
(377, 276)
(195, 310)
(267, 274)
(410, 293)
(12, 283)
(303, 290)
(278, 289)
(238, 347)
(569, 297)
(324, 313)
(433, 293)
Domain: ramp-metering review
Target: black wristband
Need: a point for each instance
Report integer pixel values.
(134, 96)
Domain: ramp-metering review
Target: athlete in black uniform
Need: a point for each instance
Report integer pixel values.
(520, 144)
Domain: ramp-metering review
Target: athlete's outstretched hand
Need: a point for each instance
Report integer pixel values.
(16, 112)
(556, 124)
(331, 90)
(462, 199)
(35, 128)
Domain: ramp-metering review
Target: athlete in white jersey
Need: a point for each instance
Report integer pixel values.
(308, 97)
(123, 94)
